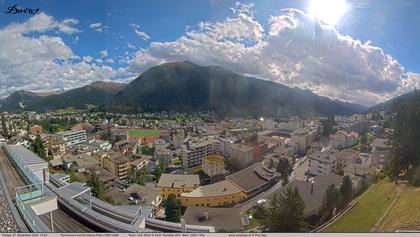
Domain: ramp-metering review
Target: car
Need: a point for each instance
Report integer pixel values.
(260, 202)
(131, 198)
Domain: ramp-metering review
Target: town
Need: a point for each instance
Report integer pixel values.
(198, 169)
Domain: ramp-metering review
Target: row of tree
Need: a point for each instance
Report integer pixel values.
(404, 139)
(140, 177)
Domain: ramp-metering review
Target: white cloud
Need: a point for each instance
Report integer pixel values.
(293, 50)
(109, 60)
(43, 62)
(139, 33)
(130, 46)
(87, 59)
(97, 27)
(103, 53)
(42, 23)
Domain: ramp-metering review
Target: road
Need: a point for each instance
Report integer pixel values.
(298, 173)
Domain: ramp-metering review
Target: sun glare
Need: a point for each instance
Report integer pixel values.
(327, 11)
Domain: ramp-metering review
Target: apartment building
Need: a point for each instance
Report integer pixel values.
(343, 139)
(194, 152)
(73, 137)
(241, 155)
(381, 152)
(117, 164)
(214, 166)
(322, 163)
(302, 138)
(56, 146)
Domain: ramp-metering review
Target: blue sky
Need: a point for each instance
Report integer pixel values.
(129, 30)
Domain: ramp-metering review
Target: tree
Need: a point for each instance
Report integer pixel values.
(3, 124)
(96, 185)
(415, 179)
(328, 125)
(346, 192)
(142, 177)
(131, 176)
(285, 213)
(285, 169)
(173, 209)
(160, 170)
(72, 175)
(363, 139)
(37, 146)
(332, 197)
(405, 124)
(145, 149)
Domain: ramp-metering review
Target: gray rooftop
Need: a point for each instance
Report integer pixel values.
(247, 179)
(222, 219)
(28, 158)
(178, 180)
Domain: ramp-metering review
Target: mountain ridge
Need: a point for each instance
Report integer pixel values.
(187, 87)
(83, 97)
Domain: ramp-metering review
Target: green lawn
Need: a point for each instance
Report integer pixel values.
(372, 204)
(143, 133)
(405, 214)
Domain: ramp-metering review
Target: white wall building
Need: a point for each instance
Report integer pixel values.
(73, 137)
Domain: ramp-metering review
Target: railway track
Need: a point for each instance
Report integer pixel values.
(62, 221)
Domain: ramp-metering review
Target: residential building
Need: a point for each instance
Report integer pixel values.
(241, 156)
(83, 126)
(177, 184)
(312, 193)
(117, 164)
(36, 130)
(343, 139)
(303, 138)
(214, 166)
(160, 144)
(178, 140)
(141, 161)
(82, 163)
(193, 152)
(381, 153)
(73, 137)
(322, 163)
(213, 195)
(56, 146)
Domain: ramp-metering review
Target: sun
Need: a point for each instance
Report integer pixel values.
(327, 11)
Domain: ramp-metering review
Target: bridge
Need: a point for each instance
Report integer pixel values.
(50, 203)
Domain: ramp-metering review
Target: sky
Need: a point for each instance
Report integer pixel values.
(367, 56)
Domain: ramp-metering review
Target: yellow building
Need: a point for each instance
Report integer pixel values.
(177, 184)
(213, 165)
(117, 164)
(218, 194)
(56, 146)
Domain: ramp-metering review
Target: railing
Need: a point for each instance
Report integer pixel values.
(34, 223)
(33, 179)
(29, 192)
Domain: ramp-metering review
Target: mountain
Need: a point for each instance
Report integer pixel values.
(187, 87)
(388, 105)
(84, 97)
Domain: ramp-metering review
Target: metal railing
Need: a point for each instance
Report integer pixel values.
(34, 223)
(33, 179)
(29, 192)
